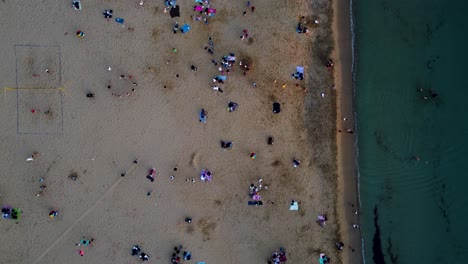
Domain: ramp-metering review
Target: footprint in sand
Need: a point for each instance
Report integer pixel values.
(194, 160)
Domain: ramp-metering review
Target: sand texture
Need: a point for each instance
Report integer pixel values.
(98, 138)
(348, 201)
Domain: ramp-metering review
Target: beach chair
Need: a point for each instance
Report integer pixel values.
(185, 28)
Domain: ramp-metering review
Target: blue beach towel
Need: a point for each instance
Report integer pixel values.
(119, 20)
(202, 116)
(222, 77)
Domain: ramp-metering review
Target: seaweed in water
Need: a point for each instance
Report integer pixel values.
(377, 256)
(443, 207)
(393, 257)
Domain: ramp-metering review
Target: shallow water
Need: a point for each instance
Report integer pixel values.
(412, 211)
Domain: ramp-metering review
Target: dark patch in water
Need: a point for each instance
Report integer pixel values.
(377, 253)
(393, 256)
(443, 207)
(432, 29)
(385, 196)
(431, 61)
(388, 190)
(380, 141)
(441, 191)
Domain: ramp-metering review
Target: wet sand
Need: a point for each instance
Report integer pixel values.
(98, 138)
(348, 202)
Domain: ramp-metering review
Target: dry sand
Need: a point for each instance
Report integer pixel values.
(99, 138)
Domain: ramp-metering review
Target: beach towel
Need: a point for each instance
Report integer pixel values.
(185, 28)
(221, 77)
(175, 11)
(202, 116)
(15, 213)
(299, 73)
(276, 107)
(211, 11)
(119, 20)
(198, 8)
(294, 206)
(199, 1)
(77, 5)
(205, 175)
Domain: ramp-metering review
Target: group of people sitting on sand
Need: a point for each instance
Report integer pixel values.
(278, 257)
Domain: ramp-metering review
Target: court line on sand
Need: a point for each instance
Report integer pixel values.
(81, 217)
(14, 89)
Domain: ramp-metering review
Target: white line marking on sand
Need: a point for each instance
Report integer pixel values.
(82, 216)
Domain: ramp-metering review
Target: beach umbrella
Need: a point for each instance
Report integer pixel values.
(185, 28)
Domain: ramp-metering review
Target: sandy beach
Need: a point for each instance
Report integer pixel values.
(348, 200)
(84, 145)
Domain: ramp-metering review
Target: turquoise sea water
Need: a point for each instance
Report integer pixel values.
(412, 211)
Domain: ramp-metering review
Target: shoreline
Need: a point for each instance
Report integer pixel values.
(348, 196)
